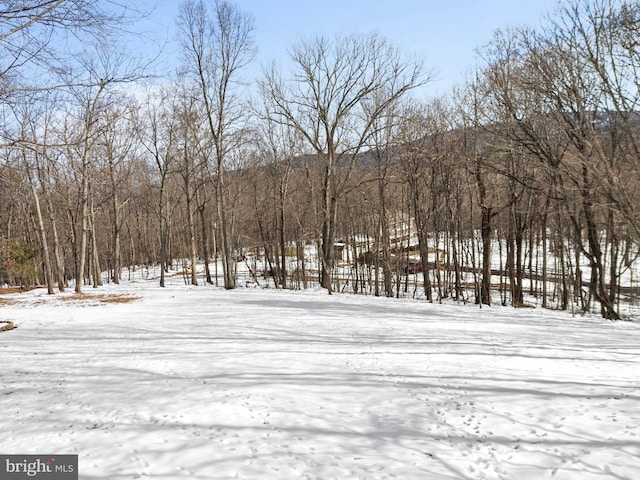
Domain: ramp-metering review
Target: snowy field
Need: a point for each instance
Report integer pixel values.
(202, 383)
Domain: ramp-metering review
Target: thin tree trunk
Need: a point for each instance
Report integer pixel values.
(163, 233)
(486, 234)
(329, 207)
(283, 245)
(193, 248)
(545, 250)
(95, 260)
(227, 265)
(596, 284)
(46, 257)
(205, 244)
(84, 212)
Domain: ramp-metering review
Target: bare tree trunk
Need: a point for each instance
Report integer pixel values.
(60, 268)
(545, 253)
(329, 207)
(614, 288)
(84, 213)
(423, 243)
(95, 260)
(303, 264)
(59, 262)
(227, 258)
(596, 284)
(115, 211)
(383, 234)
(486, 232)
(205, 244)
(193, 248)
(163, 237)
(282, 224)
(46, 257)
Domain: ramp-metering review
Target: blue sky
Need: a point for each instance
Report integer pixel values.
(445, 33)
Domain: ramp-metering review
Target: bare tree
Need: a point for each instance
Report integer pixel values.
(36, 58)
(421, 153)
(102, 70)
(158, 136)
(33, 39)
(471, 105)
(189, 151)
(384, 148)
(278, 148)
(332, 82)
(567, 95)
(30, 141)
(217, 44)
(117, 143)
(603, 38)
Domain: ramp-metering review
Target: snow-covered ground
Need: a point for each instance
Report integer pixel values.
(203, 383)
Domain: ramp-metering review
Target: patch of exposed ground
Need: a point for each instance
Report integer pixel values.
(9, 290)
(100, 298)
(6, 325)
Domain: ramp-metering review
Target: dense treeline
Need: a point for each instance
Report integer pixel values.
(521, 184)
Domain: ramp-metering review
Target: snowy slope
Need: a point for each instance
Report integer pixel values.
(202, 383)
